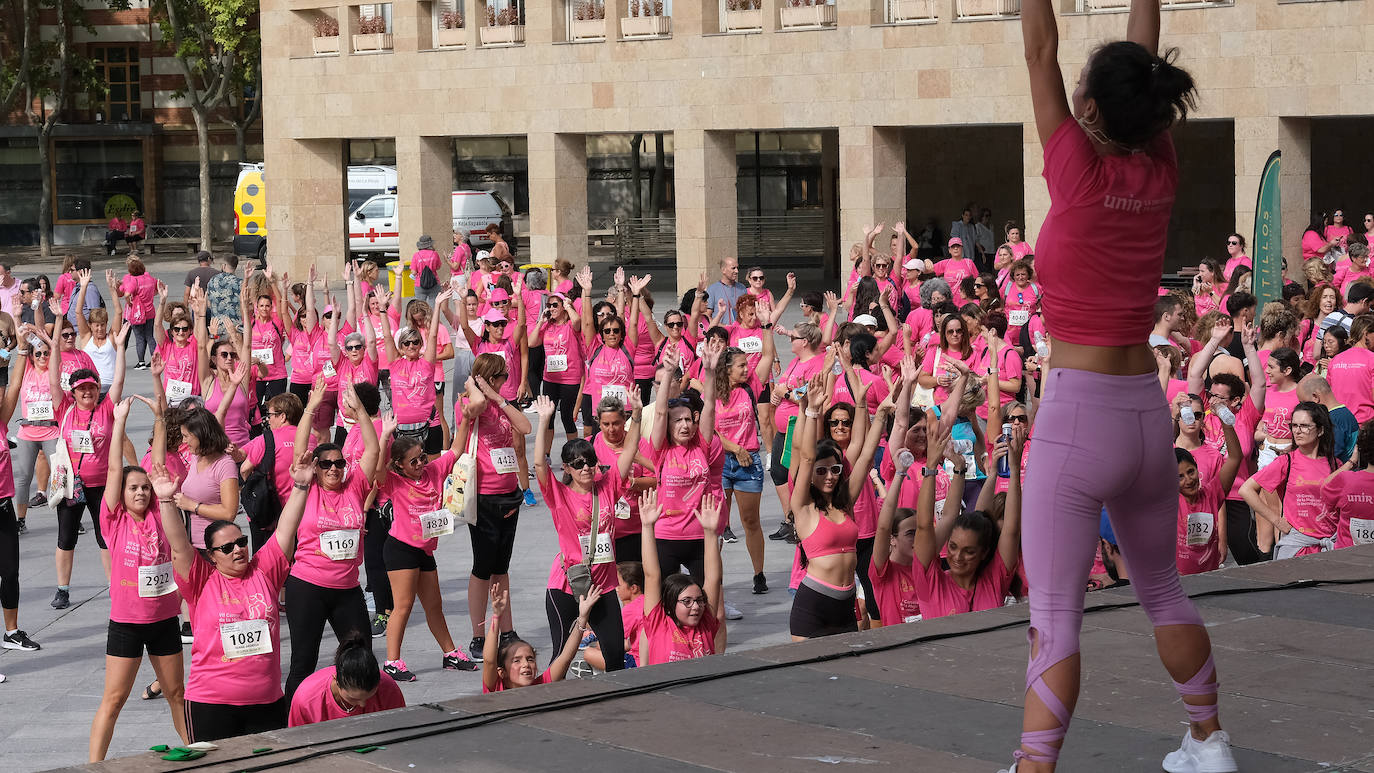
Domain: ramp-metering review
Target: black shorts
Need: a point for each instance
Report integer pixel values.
(128, 640)
(213, 721)
(779, 471)
(400, 556)
(588, 412)
(821, 611)
(493, 536)
(300, 390)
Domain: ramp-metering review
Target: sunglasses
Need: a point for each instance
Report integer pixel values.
(68, 335)
(410, 342)
(228, 355)
(504, 266)
(44, 353)
(605, 313)
(612, 331)
(1233, 243)
(180, 328)
(679, 402)
(353, 347)
(502, 323)
(500, 303)
(500, 376)
(674, 324)
(756, 278)
(882, 265)
(831, 469)
(328, 464)
(1019, 419)
(841, 422)
(228, 547)
(415, 461)
(580, 464)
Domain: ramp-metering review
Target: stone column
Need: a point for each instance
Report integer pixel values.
(558, 197)
(872, 185)
(424, 193)
(704, 174)
(1037, 194)
(305, 204)
(1256, 138)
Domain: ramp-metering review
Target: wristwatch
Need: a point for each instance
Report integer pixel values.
(927, 472)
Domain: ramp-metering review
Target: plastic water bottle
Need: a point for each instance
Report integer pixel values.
(1004, 464)
(1186, 416)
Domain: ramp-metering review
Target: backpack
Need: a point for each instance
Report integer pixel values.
(428, 281)
(258, 495)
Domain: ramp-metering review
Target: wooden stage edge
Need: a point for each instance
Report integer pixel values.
(1293, 642)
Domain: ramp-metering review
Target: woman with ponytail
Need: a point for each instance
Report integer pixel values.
(1108, 159)
(354, 685)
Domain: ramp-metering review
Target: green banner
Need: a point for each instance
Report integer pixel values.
(1267, 246)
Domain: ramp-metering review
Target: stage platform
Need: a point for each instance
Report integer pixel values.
(1296, 661)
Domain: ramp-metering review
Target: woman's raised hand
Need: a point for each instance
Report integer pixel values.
(545, 407)
(649, 509)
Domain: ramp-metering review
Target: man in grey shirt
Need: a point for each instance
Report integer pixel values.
(728, 288)
(91, 301)
(204, 271)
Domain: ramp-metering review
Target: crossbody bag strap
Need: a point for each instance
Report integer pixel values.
(590, 552)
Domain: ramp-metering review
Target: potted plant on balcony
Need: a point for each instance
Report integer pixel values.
(589, 20)
(646, 20)
(372, 35)
(914, 10)
(326, 39)
(503, 27)
(451, 33)
(807, 13)
(743, 15)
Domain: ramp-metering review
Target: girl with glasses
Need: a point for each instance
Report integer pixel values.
(610, 367)
(503, 335)
(323, 584)
(558, 334)
(501, 429)
(570, 503)
(235, 680)
(953, 343)
(684, 616)
(822, 505)
(609, 442)
(37, 403)
(738, 420)
(1304, 525)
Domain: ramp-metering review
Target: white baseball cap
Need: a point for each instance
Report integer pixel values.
(866, 320)
(913, 263)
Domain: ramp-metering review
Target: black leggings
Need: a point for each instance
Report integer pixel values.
(1240, 533)
(213, 721)
(378, 582)
(564, 397)
(863, 550)
(308, 607)
(604, 620)
(9, 555)
(69, 518)
(535, 372)
(646, 389)
(629, 548)
(676, 553)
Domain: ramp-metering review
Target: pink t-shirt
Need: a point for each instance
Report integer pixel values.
(750, 340)
(572, 521)
(939, 595)
(669, 642)
(1352, 276)
(284, 438)
(462, 255)
(37, 404)
(683, 475)
(509, 350)
(563, 355)
(63, 288)
(1198, 548)
(1235, 263)
(216, 600)
(1351, 374)
(329, 539)
(1312, 242)
(496, 465)
(632, 618)
(421, 260)
(202, 485)
(412, 498)
(1278, 411)
(135, 544)
(1125, 198)
(353, 446)
(1349, 498)
(609, 367)
(6, 472)
(1302, 494)
(267, 345)
(1246, 420)
(894, 590)
(412, 390)
(798, 372)
(627, 509)
(544, 678)
(877, 389)
(921, 323)
(928, 366)
(954, 273)
(140, 293)
(91, 430)
(365, 372)
(304, 362)
(179, 363)
(645, 364)
(736, 420)
(314, 701)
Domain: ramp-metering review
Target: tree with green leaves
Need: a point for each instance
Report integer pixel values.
(216, 45)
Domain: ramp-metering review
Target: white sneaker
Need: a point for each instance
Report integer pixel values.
(731, 613)
(1011, 769)
(1210, 756)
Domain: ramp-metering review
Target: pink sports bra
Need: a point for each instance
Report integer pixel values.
(831, 538)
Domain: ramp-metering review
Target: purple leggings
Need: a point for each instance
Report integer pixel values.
(1099, 440)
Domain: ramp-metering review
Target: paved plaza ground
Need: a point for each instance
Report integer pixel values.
(49, 698)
